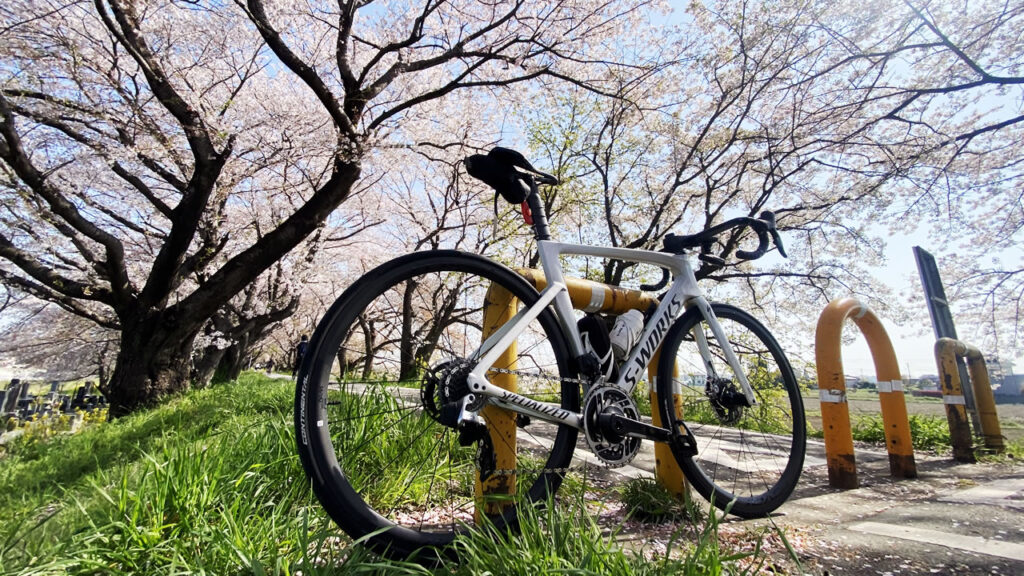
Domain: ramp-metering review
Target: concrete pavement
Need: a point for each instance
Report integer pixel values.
(953, 519)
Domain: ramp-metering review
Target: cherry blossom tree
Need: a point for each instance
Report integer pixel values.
(131, 128)
(933, 94)
(844, 120)
(55, 344)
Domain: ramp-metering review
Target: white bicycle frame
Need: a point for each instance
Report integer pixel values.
(682, 295)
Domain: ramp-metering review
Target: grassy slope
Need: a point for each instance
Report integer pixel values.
(207, 482)
(210, 483)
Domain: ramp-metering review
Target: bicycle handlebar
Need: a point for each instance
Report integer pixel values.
(764, 226)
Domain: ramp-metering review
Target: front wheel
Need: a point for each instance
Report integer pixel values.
(380, 393)
(748, 458)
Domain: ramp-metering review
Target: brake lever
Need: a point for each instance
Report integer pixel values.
(768, 217)
(778, 242)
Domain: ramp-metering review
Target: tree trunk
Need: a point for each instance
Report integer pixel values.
(232, 362)
(205, 367)
(153, 362)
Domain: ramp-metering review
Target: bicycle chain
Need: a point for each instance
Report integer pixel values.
(541, 376)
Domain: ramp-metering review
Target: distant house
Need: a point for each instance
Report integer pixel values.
(1013, 385)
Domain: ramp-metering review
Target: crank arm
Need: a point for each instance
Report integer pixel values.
(624, 426)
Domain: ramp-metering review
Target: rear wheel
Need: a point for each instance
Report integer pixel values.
(381, 388)
(748, 458)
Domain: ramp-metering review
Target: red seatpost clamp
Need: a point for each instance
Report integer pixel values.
(527, 216)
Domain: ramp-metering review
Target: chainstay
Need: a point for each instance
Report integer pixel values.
(600, 464)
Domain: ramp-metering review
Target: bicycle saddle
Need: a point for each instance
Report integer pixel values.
(500, 169)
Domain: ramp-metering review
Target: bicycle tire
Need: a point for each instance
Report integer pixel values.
(748, 459)
(393, 475)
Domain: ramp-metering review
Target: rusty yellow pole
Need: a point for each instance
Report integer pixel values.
(890, 395)
(592, 296)
(496, 492)
(835, 412)
(667, 470)
(953, 398)
(984, 401)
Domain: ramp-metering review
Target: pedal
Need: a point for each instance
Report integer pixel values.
(685, 440)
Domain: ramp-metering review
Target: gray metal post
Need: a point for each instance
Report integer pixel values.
(942, 323)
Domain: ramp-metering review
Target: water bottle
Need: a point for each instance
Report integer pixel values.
(626, 332)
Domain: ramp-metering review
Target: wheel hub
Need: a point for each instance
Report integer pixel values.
(613, 448)
(727, 400)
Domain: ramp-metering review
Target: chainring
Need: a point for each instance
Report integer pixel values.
(612, 451)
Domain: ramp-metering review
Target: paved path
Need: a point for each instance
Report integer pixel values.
(952, 519)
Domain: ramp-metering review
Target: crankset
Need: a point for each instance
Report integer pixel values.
(608, 415)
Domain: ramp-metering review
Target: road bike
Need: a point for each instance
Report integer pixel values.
(441, 387)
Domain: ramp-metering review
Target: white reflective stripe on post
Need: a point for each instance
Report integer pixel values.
(959, 400)
(596, 299)
(834, 395)
(863, 310)
(893, 386)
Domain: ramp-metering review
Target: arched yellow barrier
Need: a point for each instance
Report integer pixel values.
(596, 297)
(835, 412)
(588, 296)
(946, 351)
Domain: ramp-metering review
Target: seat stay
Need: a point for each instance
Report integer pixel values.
(503, 337)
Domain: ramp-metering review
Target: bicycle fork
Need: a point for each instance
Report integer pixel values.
(704, 307)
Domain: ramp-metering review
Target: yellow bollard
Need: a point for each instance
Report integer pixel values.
(596, 297)
(984, 401)
(946, 351)
(953, 398)
(591, 297)
(497, 491)
(667, 470)
(835, 413)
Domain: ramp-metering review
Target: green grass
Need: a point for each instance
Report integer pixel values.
(648, 501)
(210, 483)
(926, 432)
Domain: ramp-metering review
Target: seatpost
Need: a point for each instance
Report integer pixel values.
(540, 219)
